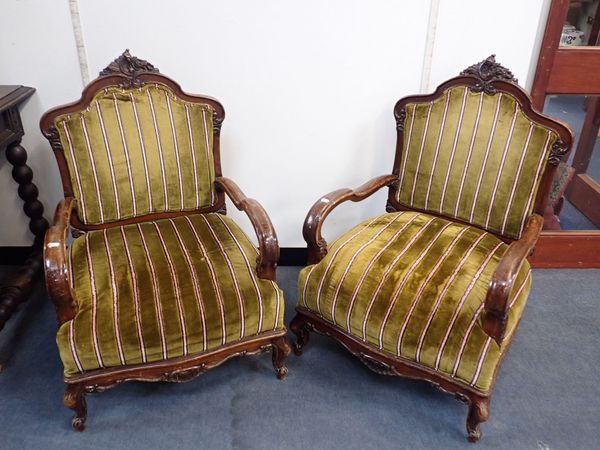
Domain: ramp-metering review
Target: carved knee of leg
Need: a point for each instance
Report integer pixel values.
(300, 329)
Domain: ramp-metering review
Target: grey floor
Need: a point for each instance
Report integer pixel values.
(547, 395)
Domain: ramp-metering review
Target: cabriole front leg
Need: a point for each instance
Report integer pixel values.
(300, 328)
(479, 411)
(281, 349)
(74, 399)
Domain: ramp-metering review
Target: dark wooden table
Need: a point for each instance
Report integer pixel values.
(17, 287)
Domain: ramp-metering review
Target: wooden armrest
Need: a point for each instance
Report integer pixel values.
(266, 263)
(317, 246)
(55, 262)
(496, 303)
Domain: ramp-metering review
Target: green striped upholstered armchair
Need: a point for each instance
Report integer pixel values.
(158, 283)
(434, 288)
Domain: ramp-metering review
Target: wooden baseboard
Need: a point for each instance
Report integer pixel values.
(567, 250)
(13, 256)
(559, 249)
(292, 256)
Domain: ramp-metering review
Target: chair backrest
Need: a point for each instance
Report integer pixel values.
(476, 151)
(135, 147)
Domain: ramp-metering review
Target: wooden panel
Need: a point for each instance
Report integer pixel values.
(584, 194)
(562, 250)
(575, 71)
(556, 20)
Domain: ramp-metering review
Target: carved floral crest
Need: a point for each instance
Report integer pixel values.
(130, 67)
(488, 71)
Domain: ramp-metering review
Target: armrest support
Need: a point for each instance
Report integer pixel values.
(55, 262)
(495, 312)
(317, 246)
(266, 263)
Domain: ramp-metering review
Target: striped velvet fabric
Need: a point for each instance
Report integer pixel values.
(158, 290)
(474, 157)
(138, 151)
(413, 285)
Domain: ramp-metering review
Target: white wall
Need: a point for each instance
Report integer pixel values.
(308, 86)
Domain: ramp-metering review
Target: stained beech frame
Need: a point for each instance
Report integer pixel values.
(490, 77)
(128, 71)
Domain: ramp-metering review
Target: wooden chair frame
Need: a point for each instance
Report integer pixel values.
(128, 71)
(490, 77)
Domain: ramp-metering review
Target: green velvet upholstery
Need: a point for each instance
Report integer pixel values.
(413, 285)
(158, 290)
(138, 151)
(475, 157)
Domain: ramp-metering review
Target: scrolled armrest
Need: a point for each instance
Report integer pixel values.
(317, 246)
(266, 263)
(55, 262)
(495, 313)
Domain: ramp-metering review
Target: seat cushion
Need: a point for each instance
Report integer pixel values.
(413, 285)
(159, 290)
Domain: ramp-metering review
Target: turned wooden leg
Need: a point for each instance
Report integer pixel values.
(74, 399)
(281, 349)
(479, 411)
(300, 329)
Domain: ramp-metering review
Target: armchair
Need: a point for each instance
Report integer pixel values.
(434, 288)
(158, 283)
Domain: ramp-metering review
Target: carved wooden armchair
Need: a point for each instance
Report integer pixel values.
(435, 288)
(158, 284)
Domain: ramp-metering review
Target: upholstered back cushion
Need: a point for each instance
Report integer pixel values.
(138, 151)
(475, 157)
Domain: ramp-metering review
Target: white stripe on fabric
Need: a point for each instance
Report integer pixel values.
(157, 305)
(389, 269)
(160, 152)
(81, 206)
(232, 272)
(208, 150)
(195, 283)
(453, 152)
(517, 177)
(400, 288)
(273, 284)
(251, 271)
(93, 165)
(489, 341)
(390, 266)
(330, 264)
(543, 157)
(437, 148)
(462, 301)
(367, 270)
(94, 293)
(486, 156)
(126, 151)
(193, 150)
(213, 277)
(352, 259)
(423, 139)
(426, 284)
(474, 321)
(176, 146)
(469, 153)
(110, 161)
(143, 149)
(115, 296)
(73, 346)
(502, 161)
(136, 296)
(407, 146)
(176, 287)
